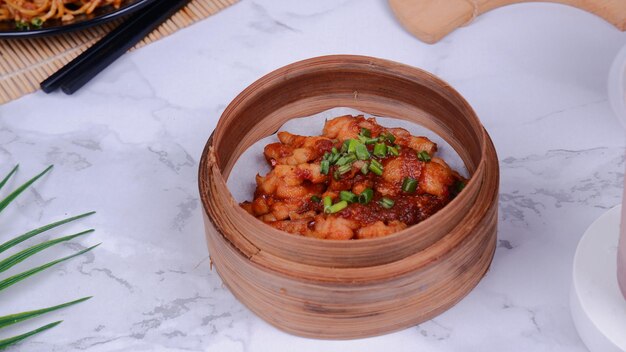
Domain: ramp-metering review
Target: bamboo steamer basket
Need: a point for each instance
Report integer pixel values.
(349, 289)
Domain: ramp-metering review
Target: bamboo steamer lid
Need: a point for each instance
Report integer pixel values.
(348, 289)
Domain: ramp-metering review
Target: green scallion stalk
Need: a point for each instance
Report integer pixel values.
(423, 156)
(346, 159)
(361, 152)
(366, 140)
(327, 202)
(390, 137)
(380, 150)
(337, 207)
(348, 196)
(366, 132)
(324, 167)
(366, 196)
(344, 169)
(365, 169)
(344, 146)
(386, 203)
(315, 199)
(409, 185)
(392, 151)
(376, 167)
(352, 145)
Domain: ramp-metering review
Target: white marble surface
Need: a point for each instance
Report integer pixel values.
(128, 145)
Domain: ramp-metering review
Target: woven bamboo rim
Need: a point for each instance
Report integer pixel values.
(345, 289)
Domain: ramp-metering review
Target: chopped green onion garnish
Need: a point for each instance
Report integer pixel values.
(337, 207)
(376, 167)
(365, 168)
(334, 150)
(366, 132)
(380, 150)
(37, 22)
(392, 151)
(343, 169)
(346, 159)
(388, 136)
(366, 140)
(327, 202)
(315, 199)
(344, 146)
(324, 167)
(327, 156)
(22, 25)
(423, 156)
(409, 185)
(352, 145)
(459, 186)
(366, 196)
(361, 152)
(386, 203)
(348, 196)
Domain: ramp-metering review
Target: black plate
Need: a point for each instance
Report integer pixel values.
(56, 26)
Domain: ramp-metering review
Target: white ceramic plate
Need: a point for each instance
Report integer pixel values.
(598, 308)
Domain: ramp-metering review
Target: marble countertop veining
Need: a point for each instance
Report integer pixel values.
(128, 145)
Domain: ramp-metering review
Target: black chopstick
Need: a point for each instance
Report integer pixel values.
(56, 80)
(92, 61)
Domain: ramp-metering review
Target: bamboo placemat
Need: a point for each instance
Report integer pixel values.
(24, 63)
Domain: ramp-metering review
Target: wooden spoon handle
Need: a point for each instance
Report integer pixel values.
(431, 20)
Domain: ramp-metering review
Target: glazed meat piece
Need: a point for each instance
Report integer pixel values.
(436, 178)
(342, 128)
(380, 229)
(298, 227)
(405, 139)
(357, 180)
(333, 228)
(294, 149)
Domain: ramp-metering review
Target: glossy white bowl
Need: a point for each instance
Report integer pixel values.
(597, 305)
(595, 300)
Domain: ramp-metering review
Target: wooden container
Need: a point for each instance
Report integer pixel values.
(349, 289)
(431, 20)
